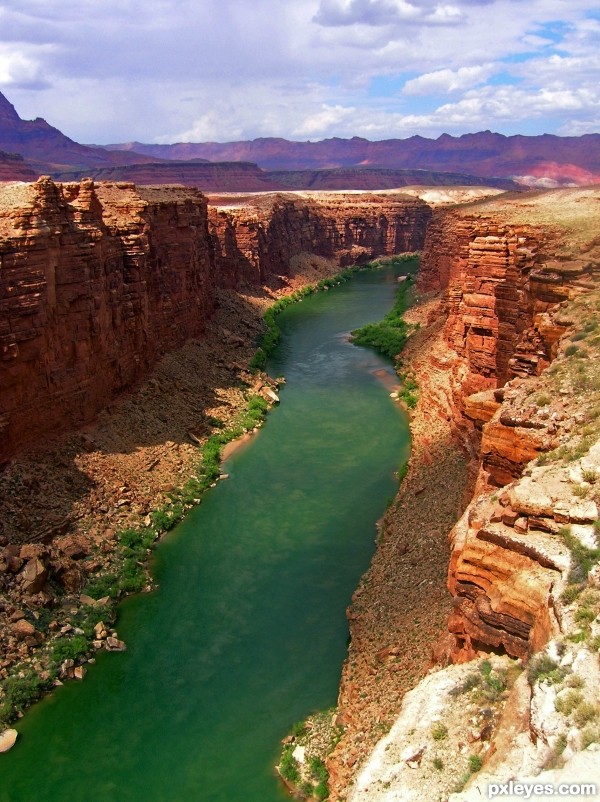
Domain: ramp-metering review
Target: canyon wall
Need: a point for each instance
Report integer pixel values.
(505, 278)
(257, 236)
(98, 281)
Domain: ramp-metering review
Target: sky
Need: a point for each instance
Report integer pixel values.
(220, 70)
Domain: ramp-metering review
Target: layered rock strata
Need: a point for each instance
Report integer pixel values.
(98, 281)
(519, 290)
(505, 282)
(259, 235)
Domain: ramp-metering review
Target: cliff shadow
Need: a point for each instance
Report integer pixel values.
(144, 443)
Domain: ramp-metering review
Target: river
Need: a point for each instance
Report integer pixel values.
(246, 633)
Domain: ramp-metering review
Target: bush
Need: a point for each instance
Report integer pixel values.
(69, 648)
(390, 334)
(475, 763)
(288, 766)
(439, 731)
(567, 702)
(318, 770)
(543, 667)
(585, 713)
(100, 586)
(583, 558)
(18, 693)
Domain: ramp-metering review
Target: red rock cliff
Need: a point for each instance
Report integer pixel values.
(504, 275)
(98, 281)
(258, 235)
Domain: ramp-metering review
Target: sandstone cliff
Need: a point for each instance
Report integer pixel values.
(510, 361)
(98, 281)
(258, 235)
(505, 273)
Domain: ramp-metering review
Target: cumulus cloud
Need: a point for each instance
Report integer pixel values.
(161, 70)
(22, 67)
(449, 80)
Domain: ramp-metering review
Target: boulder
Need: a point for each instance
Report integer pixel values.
(7, 740)
(34, 575)
(23, 629)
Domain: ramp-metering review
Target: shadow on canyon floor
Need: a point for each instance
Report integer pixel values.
(120, 465)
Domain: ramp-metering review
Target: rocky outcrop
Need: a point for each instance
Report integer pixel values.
(263, 235)
(98, 281)
(506, 280)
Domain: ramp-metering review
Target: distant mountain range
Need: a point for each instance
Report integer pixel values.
(485, 154)
(31, 148)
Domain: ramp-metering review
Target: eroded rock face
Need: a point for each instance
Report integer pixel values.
(98, 281)
(257, 236)
(505, 286)
(498, 287)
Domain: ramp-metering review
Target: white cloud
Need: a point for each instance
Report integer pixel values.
(198, 69)
(449, 80)
(22, 66)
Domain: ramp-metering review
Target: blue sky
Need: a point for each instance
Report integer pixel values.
(220, 70)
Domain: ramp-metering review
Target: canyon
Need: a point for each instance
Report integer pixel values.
(99, 281)
(112, 293)
(509, 291)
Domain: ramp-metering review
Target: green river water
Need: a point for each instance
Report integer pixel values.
(247, 631)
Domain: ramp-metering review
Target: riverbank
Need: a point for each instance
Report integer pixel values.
(81, 498)
(401, 606)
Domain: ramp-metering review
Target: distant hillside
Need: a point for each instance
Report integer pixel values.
(14, 168)
(378, 178)
(46, 148)
(248, 177)
(210, 177)
(562, 159)
(274, 163)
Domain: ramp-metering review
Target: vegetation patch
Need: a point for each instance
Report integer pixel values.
(389, 336)
(315, 739)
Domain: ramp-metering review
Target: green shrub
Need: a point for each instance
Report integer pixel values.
(585, 713)
(103, 585)
(543, 667)
(571, 350)
(18, 692)
(69, 648)
(390, 334)
(571, 592)
(567, 702)
(583, 558)
(475, 763)
(288, 766)
(317, 769)
(439, 731)
(299, 729)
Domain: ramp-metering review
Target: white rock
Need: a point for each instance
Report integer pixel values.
(7, 740)
(299, 754)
